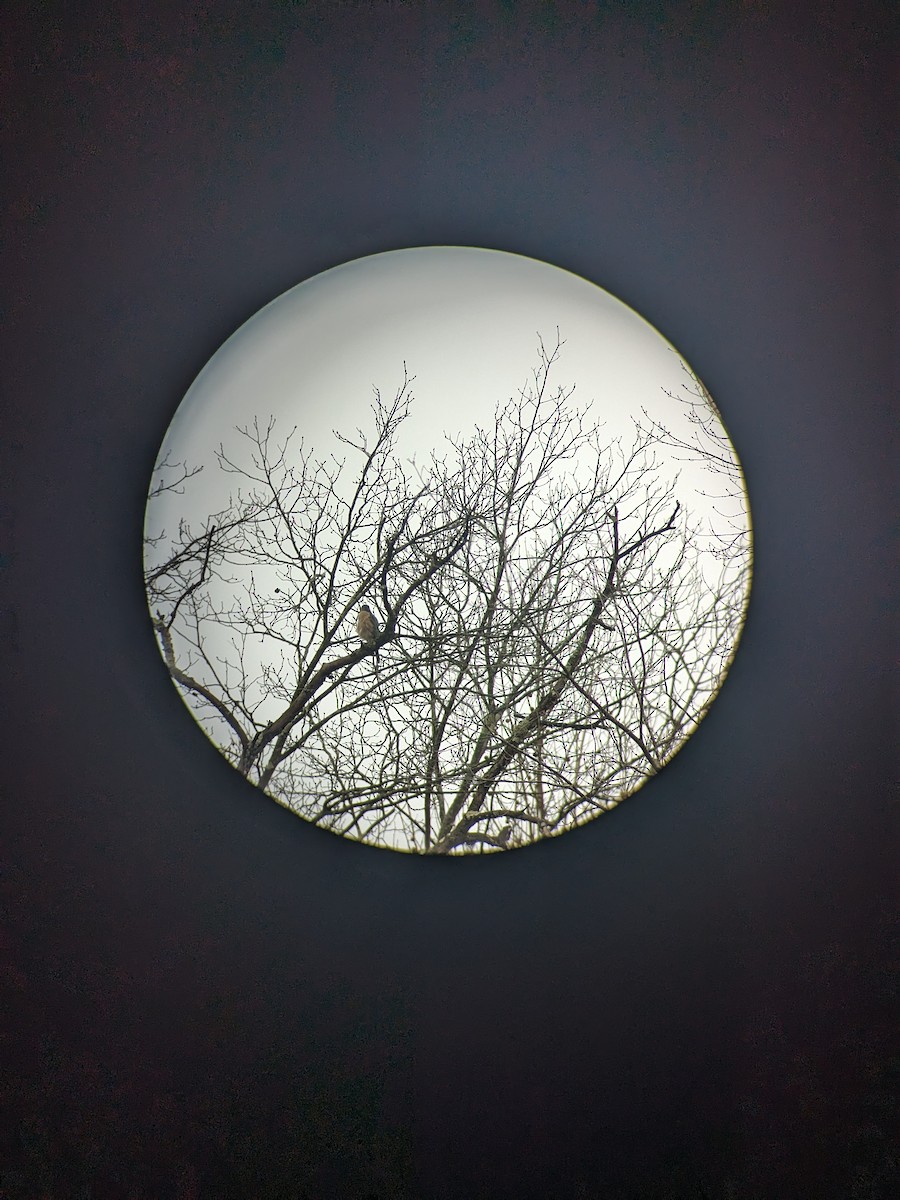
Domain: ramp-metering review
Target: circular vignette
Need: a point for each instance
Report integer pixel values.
(447, 550)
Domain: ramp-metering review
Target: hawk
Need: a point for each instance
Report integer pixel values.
(367, 626)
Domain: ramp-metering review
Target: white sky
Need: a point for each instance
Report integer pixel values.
(465, 321)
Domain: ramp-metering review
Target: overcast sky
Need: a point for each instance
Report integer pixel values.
(466, 323)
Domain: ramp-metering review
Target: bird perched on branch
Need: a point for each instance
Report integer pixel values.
(367, 626)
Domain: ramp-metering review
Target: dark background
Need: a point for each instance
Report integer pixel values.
(206, 997)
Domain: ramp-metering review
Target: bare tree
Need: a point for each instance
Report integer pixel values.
(548, 636)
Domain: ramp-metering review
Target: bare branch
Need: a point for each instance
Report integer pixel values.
(548, 630)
